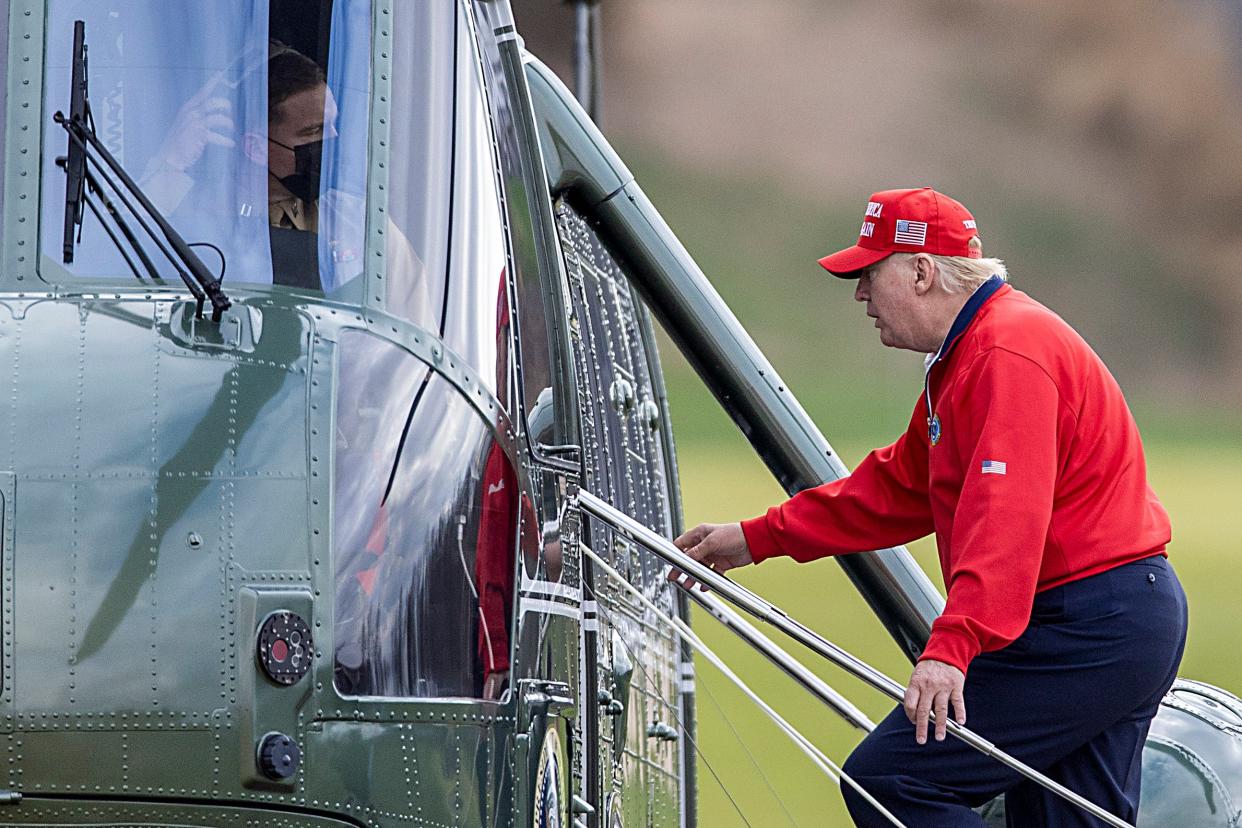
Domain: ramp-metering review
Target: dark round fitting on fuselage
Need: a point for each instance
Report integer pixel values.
(278, 757)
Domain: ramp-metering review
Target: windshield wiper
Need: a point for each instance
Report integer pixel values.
(117, 218)
(86, 147)
(75, 163)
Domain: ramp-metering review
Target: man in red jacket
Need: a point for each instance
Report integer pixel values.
(1064, 624)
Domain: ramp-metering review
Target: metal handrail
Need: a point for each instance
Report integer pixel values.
(751, 603)
(830, 768)
(766, 647)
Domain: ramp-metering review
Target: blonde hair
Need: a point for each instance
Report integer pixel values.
(962, 274)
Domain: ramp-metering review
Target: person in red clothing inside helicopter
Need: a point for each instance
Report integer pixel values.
(495, 557)
(1064, 623)
(493, 567)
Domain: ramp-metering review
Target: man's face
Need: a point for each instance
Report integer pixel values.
(301, 119)
(887, 288)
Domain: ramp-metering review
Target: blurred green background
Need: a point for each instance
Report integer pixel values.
(1097, 146)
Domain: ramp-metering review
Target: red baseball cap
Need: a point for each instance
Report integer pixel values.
(906, 221)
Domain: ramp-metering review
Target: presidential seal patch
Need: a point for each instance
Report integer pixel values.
(933, 429)
(549, 783)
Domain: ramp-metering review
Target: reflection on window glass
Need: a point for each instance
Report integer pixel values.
(535, 354)
(4, 65)
(477, 303)
(341, 191)
(420, 160)
(230, 115)
(424, 532)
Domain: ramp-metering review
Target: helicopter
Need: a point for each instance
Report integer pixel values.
(340, 464)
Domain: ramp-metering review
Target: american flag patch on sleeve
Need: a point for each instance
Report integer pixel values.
(993, 467)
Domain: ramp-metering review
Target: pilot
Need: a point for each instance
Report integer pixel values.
(301, 121)
(301, 114)
(1064, 623)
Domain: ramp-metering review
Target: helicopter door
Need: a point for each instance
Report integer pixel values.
(625, 462)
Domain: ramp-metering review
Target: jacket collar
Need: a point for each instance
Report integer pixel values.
(967, 315)
(964, 317)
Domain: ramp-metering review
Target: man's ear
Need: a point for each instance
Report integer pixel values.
(255, 147)
(925, 273)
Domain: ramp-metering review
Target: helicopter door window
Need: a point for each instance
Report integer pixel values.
(425, 530)
(245, 122)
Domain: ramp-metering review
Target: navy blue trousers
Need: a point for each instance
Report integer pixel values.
(1073, 697)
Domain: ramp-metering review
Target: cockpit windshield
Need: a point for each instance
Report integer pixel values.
(248, 125)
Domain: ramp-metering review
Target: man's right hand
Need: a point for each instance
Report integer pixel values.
(201, 121)
(722, 546)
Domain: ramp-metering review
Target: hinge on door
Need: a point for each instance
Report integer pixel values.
(556, 697)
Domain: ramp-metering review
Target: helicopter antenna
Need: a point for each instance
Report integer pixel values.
(587, 58)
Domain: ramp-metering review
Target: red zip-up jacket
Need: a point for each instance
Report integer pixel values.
(1030, 472)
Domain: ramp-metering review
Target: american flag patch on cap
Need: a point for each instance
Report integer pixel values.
(993, 467)
(910, 232)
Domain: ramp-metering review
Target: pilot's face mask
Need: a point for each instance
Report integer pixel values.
(307, 162)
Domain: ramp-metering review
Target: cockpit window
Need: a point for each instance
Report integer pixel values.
(424, 532)
(245, 122)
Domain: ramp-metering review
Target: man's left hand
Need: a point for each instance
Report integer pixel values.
(933, 686)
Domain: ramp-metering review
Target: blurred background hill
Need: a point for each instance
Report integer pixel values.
(1099, 145)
